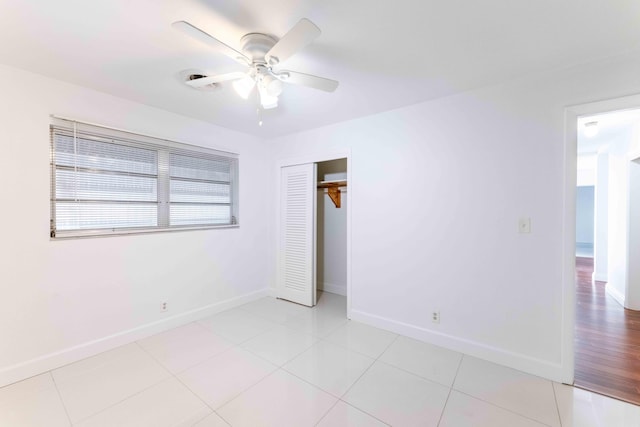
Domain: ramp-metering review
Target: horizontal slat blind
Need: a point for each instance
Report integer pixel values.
(106, 181)
(200, 190)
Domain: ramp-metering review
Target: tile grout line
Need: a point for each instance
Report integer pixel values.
(286, 361)
(127, 397)
(498, 406)
(376, 359)
(363, 411)
(213, 411)
(176, 374)
(356, 351)
(222, 418)
(233, 346)
(555, 399)
(504, 409)
(318, 340)
(203, 361)
(246, 313)
(121, 400)
(338, 399)
(328, 410)
(414, 374)
(444, 407)
(212, 332)
(201, 419)
(369, 367)
(244, 391)
(64, 406)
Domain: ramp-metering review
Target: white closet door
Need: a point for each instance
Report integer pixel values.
(297, 278)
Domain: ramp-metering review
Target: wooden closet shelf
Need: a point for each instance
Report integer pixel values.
(333, 189)
(330, 184)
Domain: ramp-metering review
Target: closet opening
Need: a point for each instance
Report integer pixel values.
(331, 231)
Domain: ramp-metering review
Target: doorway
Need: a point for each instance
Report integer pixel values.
(607, 338)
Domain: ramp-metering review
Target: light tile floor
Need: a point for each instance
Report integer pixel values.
(274, 363)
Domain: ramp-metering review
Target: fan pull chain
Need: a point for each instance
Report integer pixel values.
(259, 113)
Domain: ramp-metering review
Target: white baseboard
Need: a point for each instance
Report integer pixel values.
(615, 294)
(333, 289)
(38, 365)
(599, 277)
(539, 367)
(325, 287)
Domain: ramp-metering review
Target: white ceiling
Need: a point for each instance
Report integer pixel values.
(386, 54)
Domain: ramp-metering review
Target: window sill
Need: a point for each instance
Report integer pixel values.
(132, 232)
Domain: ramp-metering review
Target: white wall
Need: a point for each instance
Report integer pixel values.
(601, 229)
(332, 232)
(585, 205)
(633, 275)
(66, 299)
(455, 175)
(587, 164)
(618, 216)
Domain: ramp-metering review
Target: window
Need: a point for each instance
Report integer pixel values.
(106, 181)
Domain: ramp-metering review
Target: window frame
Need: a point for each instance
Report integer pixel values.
(164, 149)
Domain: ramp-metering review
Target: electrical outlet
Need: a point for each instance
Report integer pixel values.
(163, 307)
(435, 317)
(524, 225)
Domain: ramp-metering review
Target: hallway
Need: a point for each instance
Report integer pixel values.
(607, 340)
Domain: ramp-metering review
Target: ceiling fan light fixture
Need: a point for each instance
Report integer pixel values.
(244, 86)
(260, 53)
(272, 85)
(266, 100)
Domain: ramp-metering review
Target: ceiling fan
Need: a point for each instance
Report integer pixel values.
(261, 53)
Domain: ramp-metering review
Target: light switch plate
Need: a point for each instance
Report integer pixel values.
(524, 225)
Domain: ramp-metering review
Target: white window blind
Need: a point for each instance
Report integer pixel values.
(200, 190)
(107, 181)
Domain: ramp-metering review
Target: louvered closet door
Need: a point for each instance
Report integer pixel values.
(297, 278)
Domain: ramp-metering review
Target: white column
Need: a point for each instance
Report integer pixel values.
(617, 234)
(601, 222)
(632, 299)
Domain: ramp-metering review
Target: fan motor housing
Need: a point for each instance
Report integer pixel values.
(256, 46)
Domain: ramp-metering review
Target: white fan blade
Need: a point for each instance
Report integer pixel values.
(204, 81)
(308, 80)
(209, 40)
(303, 33)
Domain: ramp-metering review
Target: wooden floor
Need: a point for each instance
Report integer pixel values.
(607, 346)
